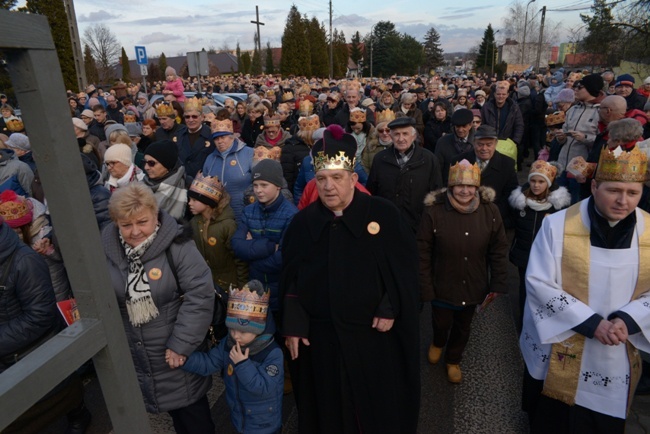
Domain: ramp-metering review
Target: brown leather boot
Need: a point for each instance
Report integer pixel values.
(453, 373)
(434, 354)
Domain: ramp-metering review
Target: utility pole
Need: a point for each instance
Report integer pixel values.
(494, 43)
(541, 37)
(258, 23)
(331, 45)
(76, 44)
(523, 45)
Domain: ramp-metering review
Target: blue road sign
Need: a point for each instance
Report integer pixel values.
(141, 55)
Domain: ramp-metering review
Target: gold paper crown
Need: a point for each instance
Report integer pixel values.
(357, 115)
(224, 126)
(464, 173)
(385, 116)
(193, 104)
(14, 210)
(15, 125)
(337, 162)
(541, 167)
(306, 107)
(272, 121)
(313, 122)
(129, 119)
(621, 166)
(263, 153)
(287, 96)
(247, 304)
(208, 186)
(270, 92)
(556, 118)
(303, 121)
(165, 109)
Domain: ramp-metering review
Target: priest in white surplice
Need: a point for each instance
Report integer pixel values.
(588, 305)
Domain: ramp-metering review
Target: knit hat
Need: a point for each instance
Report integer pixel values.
(206, 189)
(523, 91)
(593, 83)
(479, 92)
(477, 113)
(121, 153)
(165, 151)
(88, 113)
(114, 127)
(543, 169)
(268, 170)
(248, 307)
(565, 95)
(79, 124)
(142, 95)
(134, 128)
(170, 71)
(624, 80)
(647, 80)
(19, 141)
(16, 210)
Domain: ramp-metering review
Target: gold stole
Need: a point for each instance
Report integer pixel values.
(561, 381)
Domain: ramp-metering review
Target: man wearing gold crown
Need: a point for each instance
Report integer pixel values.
(195, 141)
(588, 306)
(169, 128)
(350, 299)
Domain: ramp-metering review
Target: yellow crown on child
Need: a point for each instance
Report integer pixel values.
(339, 161)
(621, 166)
(464, 173)
(193, 104)
(165, 109)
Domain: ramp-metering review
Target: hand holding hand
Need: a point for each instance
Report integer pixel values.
(173, 359)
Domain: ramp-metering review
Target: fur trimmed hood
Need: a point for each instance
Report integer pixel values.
(487, 194)
(559, 198)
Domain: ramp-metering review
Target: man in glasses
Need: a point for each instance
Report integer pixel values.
(169, 128)
(195, 141)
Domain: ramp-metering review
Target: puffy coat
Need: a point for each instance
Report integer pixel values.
(267, 225)
(405, 186)
(28, 310)
(11, 166)
(455, 250)
(99, 195)
(180, 326)
(254, 392)
(514, 124)
(527, 221)
(214, 244)
(233, 167)
(176, 87)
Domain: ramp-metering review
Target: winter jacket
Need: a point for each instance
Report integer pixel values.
(28, 158)
(455, 250)
(448, 147)
(233, 167)
(307, 173)
(293, 153)
(177, 87)
(11, 166)
(28, 310)
(514, 123)
(343, 116)
(434, 130)
(251, 130)
(99, 195)
(214, 244)
(582, 117)
(176, 130)
(193, 155)
(371, 149)
(554, 88)
(635, 101)
(266, 224)
(180, 326)
(405, 186)
(254, 387)
(527, 221)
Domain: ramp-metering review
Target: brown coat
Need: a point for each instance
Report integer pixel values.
(456, 250)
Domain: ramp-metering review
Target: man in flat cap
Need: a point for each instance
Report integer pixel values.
(460, 140)
(404, 172)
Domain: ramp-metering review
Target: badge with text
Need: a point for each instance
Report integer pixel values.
(373, 228)
(155, 274)
(212, 241)
(272, 370)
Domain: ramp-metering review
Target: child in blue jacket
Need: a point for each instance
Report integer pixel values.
(250, 362)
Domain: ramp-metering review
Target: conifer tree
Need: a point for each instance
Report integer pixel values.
(246, 63)
(341, 54)
(256, 65)
(162, 64)
(126, 68)
(318, 48)
(90, 66)
(240, 66)
(296, 58)
(270, 68)
(432, 50)
(355, 48)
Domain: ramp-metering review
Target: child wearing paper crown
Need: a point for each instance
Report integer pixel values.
(250, 362)
(213, 226)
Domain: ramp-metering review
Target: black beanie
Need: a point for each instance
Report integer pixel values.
(268, 170)
(165, 151)
(593, 83)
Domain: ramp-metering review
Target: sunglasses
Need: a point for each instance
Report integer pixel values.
(150, 163)
(191, 116)
(383, 130)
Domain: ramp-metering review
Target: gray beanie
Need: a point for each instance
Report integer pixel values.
(19, 141)
(114, 127)
(270, 171)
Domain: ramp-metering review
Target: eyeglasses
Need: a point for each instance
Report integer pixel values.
(383, 131)
(150, 163)
(110, 164)
(191, 116)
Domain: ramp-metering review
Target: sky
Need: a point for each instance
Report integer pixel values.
(178, 26)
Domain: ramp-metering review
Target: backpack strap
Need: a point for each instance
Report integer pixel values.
(168, 253)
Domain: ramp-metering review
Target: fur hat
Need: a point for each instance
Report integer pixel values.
(165, 151)
(248, 308)
(119, 152)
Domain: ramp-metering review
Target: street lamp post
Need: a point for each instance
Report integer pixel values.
(494, 42)
(523, 45)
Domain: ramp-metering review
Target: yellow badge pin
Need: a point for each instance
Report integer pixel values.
(373, 228)
(155, 274)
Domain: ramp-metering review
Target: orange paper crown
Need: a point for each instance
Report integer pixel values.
(464, 173)
(621, 166)
(357, 115)
(224, 126)
(208, 186)
(287, 96)
(546, 170)
(15, 125)
(263, 153)
(272, 121)
(248, 305)
(556, 118)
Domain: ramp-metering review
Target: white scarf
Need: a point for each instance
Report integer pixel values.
(537, 205)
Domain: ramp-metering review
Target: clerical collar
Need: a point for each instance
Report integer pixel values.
(338, 213)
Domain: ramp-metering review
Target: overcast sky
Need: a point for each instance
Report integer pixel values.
(176, 26)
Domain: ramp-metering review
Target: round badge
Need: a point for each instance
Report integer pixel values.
(233, 162)
(373, 228)
(522, 213)
(207, 144)
(155, 274)
(175, 139)
(212, 241)
(231, 370)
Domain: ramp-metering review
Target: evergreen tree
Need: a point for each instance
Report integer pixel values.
(54, 10)
(411, 56)
(246, 63)
(90, 66)
(270, 68)
(256, 65)
(154, 71)
(386, 46)
(602, 35)
(432, 50)
(126, 68)
(341, 55)
(240, 66)
(7, 4)
(318, 48)
(162, 64)
(486, 51)
(296, 59)
(355, 49)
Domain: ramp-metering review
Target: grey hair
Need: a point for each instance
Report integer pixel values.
(625, 130)
(408, 98)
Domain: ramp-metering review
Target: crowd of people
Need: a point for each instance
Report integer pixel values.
(329, 211)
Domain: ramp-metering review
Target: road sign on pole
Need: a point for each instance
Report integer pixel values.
(141, 55)
(143, 70)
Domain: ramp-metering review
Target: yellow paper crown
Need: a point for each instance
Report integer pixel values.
(193, 104)
(287, 96)
(208, 186)
(306, 107)
(464, 173)
(556, 118)
(165, 109)
(313, 122)
(357, 115)
(337, 162)
(272, 121)
(224, 126)
(15, 125)
(263, 153)
(385, 116)
(247, 304)
(541, 167)
(303, 121)
(621, 166)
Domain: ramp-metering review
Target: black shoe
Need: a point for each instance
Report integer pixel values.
(78, 420)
